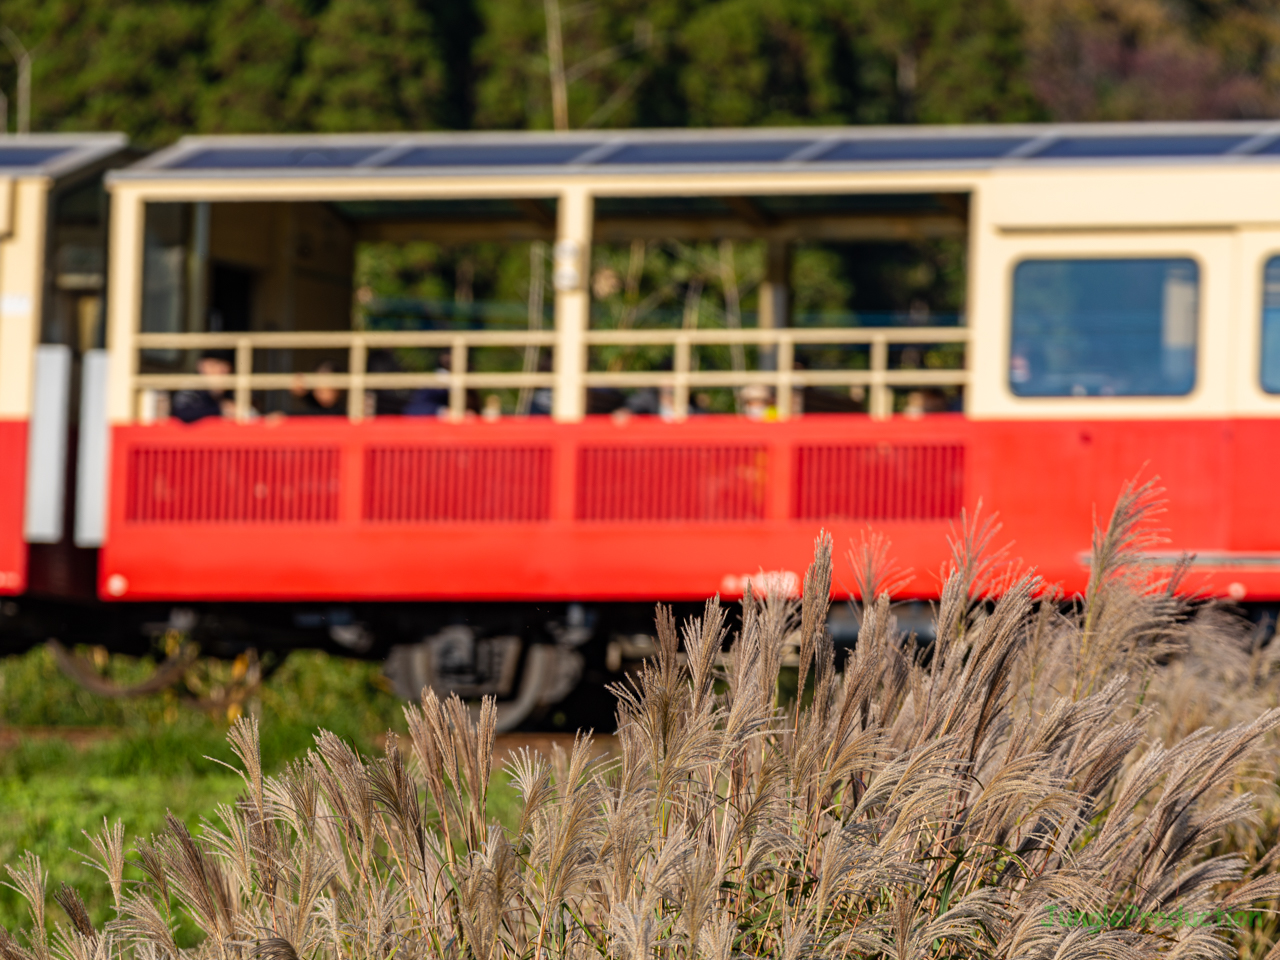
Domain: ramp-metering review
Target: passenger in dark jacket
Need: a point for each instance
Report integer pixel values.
(320, 401)
(192, 405)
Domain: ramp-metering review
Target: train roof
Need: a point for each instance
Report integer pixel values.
(789, 149)
(56, 154)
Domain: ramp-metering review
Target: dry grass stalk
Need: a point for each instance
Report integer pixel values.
(974, 798)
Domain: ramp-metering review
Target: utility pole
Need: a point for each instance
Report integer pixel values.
(555, 56)
(22, 57)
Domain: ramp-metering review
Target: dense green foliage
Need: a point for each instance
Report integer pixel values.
(72, 758)
(161, 68)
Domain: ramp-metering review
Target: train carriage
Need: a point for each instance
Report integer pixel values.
(438, 472)
(52, 266)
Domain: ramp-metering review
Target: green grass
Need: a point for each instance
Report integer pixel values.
(153, 757)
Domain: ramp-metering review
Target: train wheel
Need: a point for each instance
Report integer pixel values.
(456, 661)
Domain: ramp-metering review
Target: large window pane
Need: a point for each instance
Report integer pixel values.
(1104, 328)
(1271, 327)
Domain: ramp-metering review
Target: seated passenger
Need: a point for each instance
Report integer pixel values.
(382, 403)
(192, 405)
(434, 401)
(757, 402)
(319, 401)
(431, 401)
(920, 402)
(540, 401)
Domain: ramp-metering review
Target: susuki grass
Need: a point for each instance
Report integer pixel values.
(944, 801)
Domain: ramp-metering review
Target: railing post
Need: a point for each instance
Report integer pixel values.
(355, 368)
(572, 262)
(457, 379)
(879, 398)
(244, 369)
(775, 295)
(786, 365)
(124, 306)
(680, 385)
(148, 401)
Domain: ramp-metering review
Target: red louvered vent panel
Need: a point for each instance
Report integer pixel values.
(232, 485)
(671, 483)
(457, 484)
(879, 482)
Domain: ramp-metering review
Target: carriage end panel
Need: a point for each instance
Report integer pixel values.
(13, 473)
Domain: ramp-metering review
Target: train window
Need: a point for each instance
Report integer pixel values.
(1271, 327)
(1104, 328)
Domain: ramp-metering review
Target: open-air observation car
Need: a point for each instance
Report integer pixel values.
(484, 397)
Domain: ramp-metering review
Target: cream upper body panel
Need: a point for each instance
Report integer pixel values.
(1225, 218)
(22, 249)
(30, 168)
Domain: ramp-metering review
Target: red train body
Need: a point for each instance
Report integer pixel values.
(13, 548)
(399, 509)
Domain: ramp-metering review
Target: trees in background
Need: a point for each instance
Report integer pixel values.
(160, 68)
(1153, 59)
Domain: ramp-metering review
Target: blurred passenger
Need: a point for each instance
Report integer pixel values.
(319, 401)
(920, 402)
(432, 401)
(757, 402)
(661, 402)
(540, 401)
(642, 401)
(492, 409)
(384, 403)
(192, 405)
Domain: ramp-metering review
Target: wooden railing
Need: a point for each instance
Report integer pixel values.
(781, 343)
(778, 344)
(243, 381)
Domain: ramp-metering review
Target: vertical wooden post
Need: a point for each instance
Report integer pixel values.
(124, 302)
(198, 270)
(574, 215)
(457, 379)
(786, 361)
(879, 397)
(355, 369)
(775, 296)
(243, 370)
(680, 389)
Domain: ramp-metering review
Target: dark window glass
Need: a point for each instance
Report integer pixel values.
(1271, 327)
(708, 151)
(491, 155)
(1104, 328)
(268, 158)
(1142, 146)
(913, 148)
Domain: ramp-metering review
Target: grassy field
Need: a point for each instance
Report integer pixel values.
(70, 759)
